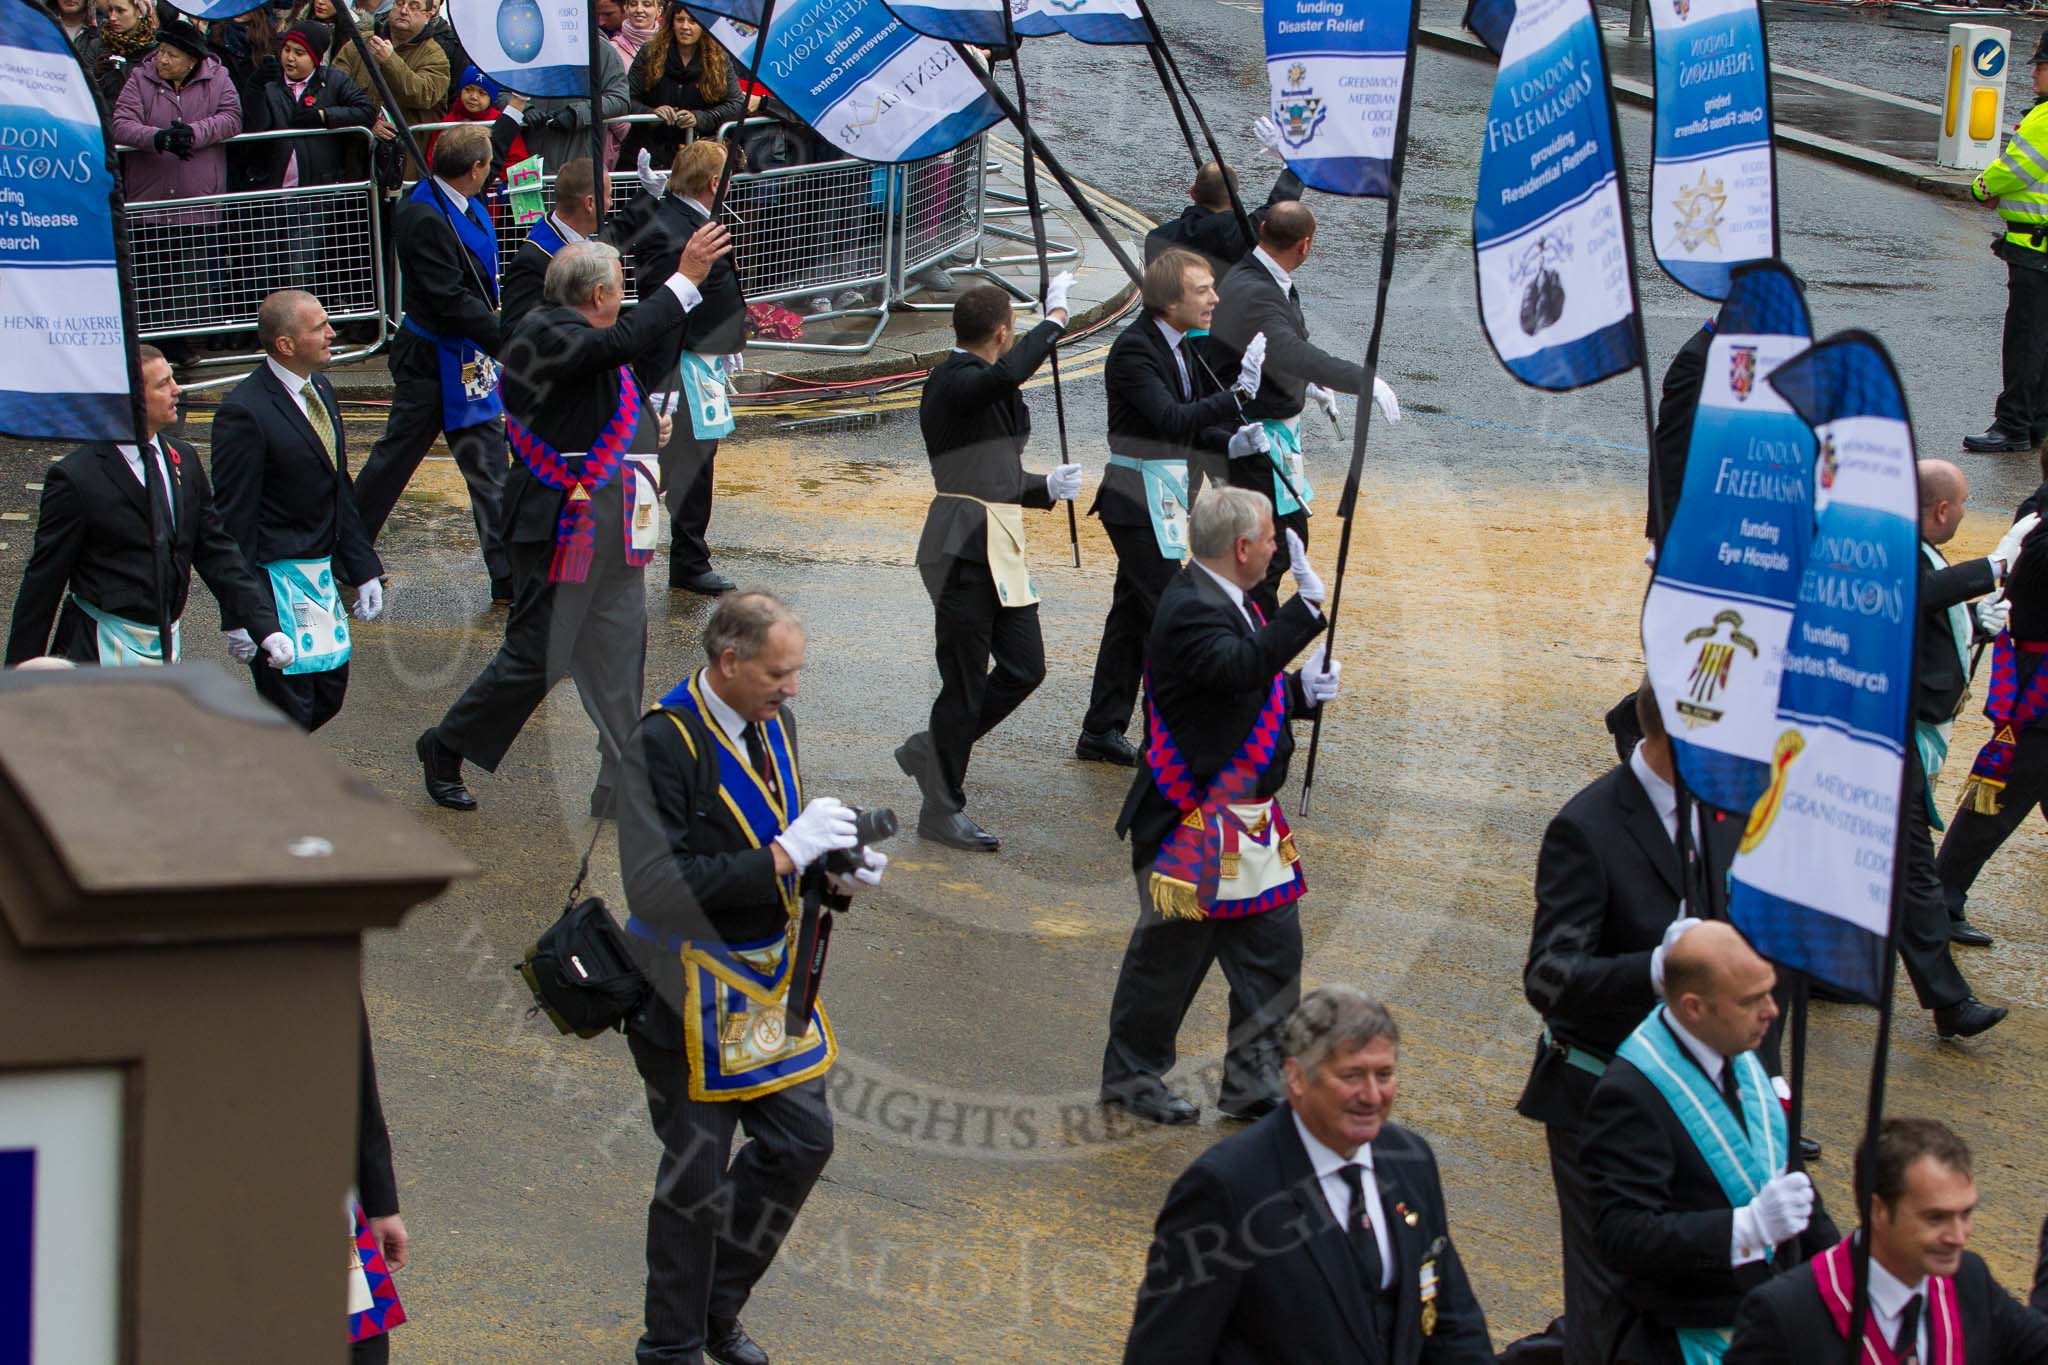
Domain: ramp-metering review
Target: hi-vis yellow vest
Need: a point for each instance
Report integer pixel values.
(2018, 180)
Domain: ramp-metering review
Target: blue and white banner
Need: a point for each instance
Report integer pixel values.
(984, 23)
(1091, 21)
(536, 47)
(1713, 197)
(218, 9)
(1336, 68)
(1550, 241)
(1728, 574)
(61, 313)
(853, 72)
(1811, 885)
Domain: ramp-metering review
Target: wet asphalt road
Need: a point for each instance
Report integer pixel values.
(979, 1206)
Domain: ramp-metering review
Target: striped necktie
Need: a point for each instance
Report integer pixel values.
(316, 414)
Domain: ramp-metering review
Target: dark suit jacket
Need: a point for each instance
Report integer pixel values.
(561, 382)
(1785, 1322)
(447, 290)
(1209, 673)
(1675, 410)
(92, 538)
(1249, 1267)
(1607, 887)
(322, 160)
(1663, 1224)
(279, 495)
(1940, 671)
(1249, 302)
(717, 326)
(975, 427)
(1149, 420)
(2038, 1300)
(376, 1182)
(519, 293)
(1214, 232)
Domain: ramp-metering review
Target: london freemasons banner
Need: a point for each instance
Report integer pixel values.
(1713, 194)
(1728, 573)
(1812, 882)
(61, 311)
(852, 71)
(1336, 67)
(536, 47)
(1091, 21)
(1548, 232)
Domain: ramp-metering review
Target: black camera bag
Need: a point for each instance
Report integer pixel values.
(580, 970)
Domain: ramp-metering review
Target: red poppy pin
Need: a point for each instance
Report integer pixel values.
(174, 456)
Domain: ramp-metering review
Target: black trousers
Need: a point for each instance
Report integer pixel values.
(2023, 403)
(716, 1221)
(1588, 1284)
(970, 625)
(594, 631)
(1142, 573)
(370, 1350)
(1923, 908)
(308, 700)
(686, 478)
(415, 421)
(1267, 594)
(1163, 969)
(1973, 838)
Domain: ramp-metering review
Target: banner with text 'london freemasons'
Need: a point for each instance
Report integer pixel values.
(853, 72)
(1713, 197)
(1548, 234)
(536, 47)
(1728, 573)
(1335, 67)
(62, 321)
(1091, 21)
(1811, 886)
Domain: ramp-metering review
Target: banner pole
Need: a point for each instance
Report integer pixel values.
(753, 79)
(601, 177)
(1158, 45)
(1173, 100)
(346, 18)
(1347, 504)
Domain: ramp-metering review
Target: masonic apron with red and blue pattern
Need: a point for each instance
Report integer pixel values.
(373, 1306)
(583, 475)
(733, 1009)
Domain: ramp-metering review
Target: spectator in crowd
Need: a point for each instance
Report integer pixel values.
(610, 17)
(476, 101)
(684, 78)
(306, 95)
(640, 21)
(413, 63)
(246, 47)
(320, 12)
(559, 129)
(126, 38)
(76, 17)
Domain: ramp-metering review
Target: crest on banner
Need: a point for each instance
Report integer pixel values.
(1300, 111)
(1710, 670)
(1699, 213)
(1742, 371)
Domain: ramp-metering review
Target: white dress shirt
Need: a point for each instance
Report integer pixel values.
(1280, 277)
(1328, 1166)
(1230, 590)
(729, 720)
(1663, 796)
(568, 234)
(134, 459)
(1888, 1297)
(455, 196)
(293, 385)
(1173, 342)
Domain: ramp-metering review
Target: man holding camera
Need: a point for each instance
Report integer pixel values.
(719, 850)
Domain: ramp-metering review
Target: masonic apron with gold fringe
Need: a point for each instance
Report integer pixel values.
(739, 1047)
(1742, 1161)
(1231, 853)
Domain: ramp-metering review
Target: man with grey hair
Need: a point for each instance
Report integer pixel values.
(581, 514)
(1320, 1233)
(1217, 872)
(718, 850)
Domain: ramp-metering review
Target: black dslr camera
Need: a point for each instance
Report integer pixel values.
(814, 929)
(870, 826)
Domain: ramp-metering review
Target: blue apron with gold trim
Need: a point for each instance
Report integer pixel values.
(469, 378)
(733, 1008)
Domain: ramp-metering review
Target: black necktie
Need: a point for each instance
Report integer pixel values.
(757, 754)
(162, 504)
(1733, 1093)
(1906, 1346)
(1181, 371)
(1363, 1244)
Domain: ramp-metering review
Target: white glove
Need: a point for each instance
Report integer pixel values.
(1268, 134)
(1250, 439)
(1253, 367)
(2008, 551)
(1992, 613)
(651, 180)
(1326, 399)
(1780, 1212)
(241, 646)
(1319, 676)
(1064, 482)
(369, 601)
(1658, 953)
(825, 825)
(1306, 582)
(277, 650)
(1056, 293)
(869, 873)
(1383, 399)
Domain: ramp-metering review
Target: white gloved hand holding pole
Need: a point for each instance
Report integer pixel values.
(1383, 399)
(1056, 292)
(1319, 676)
(241, 646)
(1993, 613)
(278, 651)
(1064, 482)
(1663, 950)
(826, 824)
(369, 600)
(1252, 368)
(1250, 439)
(2008, 552)
(651, 180)
(1307, 584)
(874, 862)
(1780, 1212)
(1326, 399)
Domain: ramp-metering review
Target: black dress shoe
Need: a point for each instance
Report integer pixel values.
(1968, 1019)
(1107, 746)
(1997, 441)
(1155, 1103)
(710, 583)
(1809, 1149)
(957, 830)
(914, 757)
(443, 771)
(728, 1344)
(501, 592)
(600, 802)
(1969, 935)
(1251, 1111)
